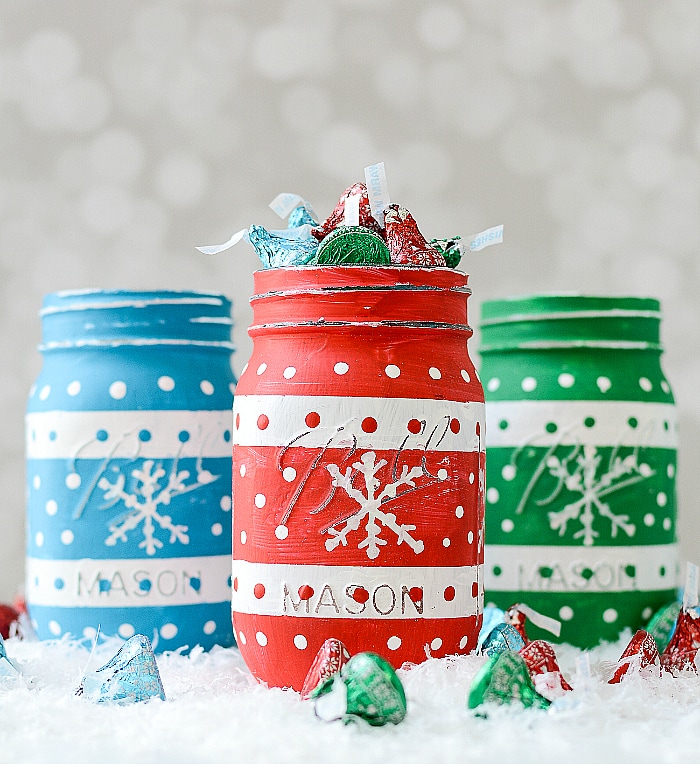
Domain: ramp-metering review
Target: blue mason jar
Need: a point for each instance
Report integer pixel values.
(128, 446)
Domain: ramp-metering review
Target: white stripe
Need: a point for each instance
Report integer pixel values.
(287, 414)
(169, 577)
(75, 434)
(333, 586)
(527, 422)
(570, 314)
(520, 566)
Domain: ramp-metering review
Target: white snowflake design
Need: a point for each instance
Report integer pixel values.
(370, 503)
(144, 503)
(578, 474)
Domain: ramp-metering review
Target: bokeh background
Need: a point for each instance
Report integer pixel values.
(130, 132)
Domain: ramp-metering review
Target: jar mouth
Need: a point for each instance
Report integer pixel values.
(570, 320)
(108, 318)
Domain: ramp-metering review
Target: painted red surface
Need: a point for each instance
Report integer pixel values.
(358, 467)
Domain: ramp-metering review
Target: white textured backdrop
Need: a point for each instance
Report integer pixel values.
(132, 131)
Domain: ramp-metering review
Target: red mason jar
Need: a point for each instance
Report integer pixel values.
(358, 469)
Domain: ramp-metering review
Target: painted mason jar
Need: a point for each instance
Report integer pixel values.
(358, 469)
(128, 436)
(581, 444)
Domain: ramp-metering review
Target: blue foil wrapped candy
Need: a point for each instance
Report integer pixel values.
(502, 637)
(291, 246)
(131, 676)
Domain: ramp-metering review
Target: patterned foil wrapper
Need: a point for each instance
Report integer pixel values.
(505, 679)
(502, 637)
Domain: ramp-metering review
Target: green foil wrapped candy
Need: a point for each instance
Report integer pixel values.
(502, 680)
(663, 623)
(367, 688)
(352, 245)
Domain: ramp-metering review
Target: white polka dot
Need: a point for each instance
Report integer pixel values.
(43, 395)
(492, 495)
(241, 637)
(649, 519)
(493, 384)
(209, 627)
(300, 642)
(470, 537)
(206, 387)
(459, 511)
(261, 369)
(244, 537)
(225, 503)
(566, 380)
(260, 638)
(528, 384)
(442, 474)
(281, 531)
(465, 375)
(661, 499)
(507, 525)
(393, 643)
(39, 538)
(73, 388)
(670, 470)
(645, 384)
(67, 537)
(436, 644)
(647, 612)
(446, 542)
(667, 524)
(73, 480)
(260, 500)
(89, 632)
(289, 372)
(566, 613)
(645, 470)
(51, 507)
(392, 371)
(126, 631)
(55, 628)
(217, 529)
(168, 631)
(242, 470)
(508, 472)
(665, 386)
(117, 390)
(166, 383)
(471, 478)
(289, 474)
(463, 642)
(604, 384)
(610, 615)
(434, 372)
(36, 482)
(341, 368)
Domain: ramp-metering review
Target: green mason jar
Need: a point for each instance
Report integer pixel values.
(581, 462)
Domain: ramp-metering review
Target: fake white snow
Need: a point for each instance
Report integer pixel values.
(215, 712)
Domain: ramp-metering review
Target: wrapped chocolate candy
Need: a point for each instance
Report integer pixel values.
(502, 680)
(293, 246)
(406, 243)
(361, 213)
(130, 676)
(641, 653)
(352, 245)
(663, 623)
(542, 664)
(502, 637)
(681, 651)
(367, 688)
(329, 660)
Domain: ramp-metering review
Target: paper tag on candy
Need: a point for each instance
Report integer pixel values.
(216, 248)
(485, 239)
(352, 210)
(542, 621)
(377, 190)
(690, 593)
(285, 202)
